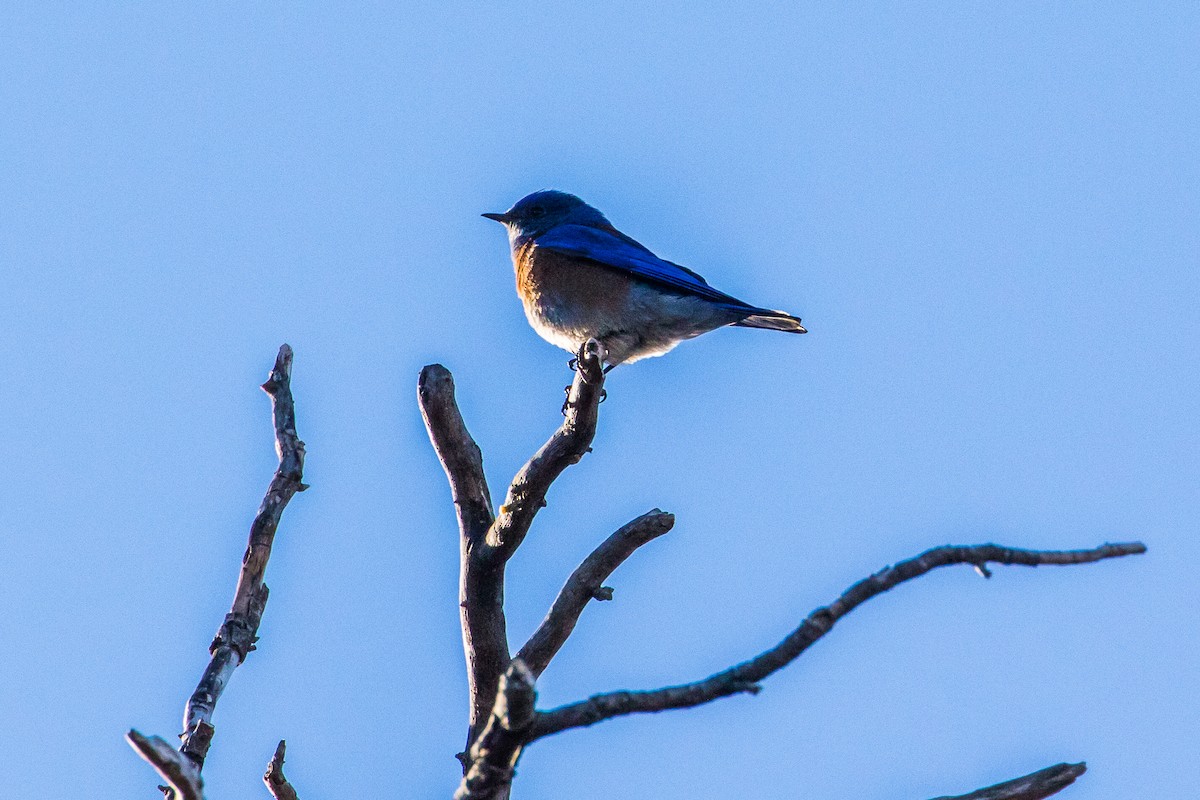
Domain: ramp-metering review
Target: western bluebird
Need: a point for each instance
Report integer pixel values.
(580, 278)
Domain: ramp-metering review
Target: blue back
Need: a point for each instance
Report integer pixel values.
(612, 248)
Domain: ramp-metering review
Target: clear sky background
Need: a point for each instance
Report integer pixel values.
(987, 214)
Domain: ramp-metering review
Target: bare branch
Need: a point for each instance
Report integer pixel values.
(495, 751)
(181, 775)
(460, 456)
(1035, 786)
(527, 494)
(585, 584)
(480, 584)
(744, 677)
(486, 543)
(238, 633)
(276, 783)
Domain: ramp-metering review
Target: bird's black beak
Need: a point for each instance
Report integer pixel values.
(498, 217)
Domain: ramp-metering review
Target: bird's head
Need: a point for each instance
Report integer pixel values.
(537, 213)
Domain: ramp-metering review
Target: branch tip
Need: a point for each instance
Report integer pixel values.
(281, 373)
(435, 378)
(1034, 786)
(274, 779)
(590, 361)
(586, 583)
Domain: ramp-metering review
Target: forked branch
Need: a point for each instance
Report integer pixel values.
(487, 542)
(494, 753)
(744, 677)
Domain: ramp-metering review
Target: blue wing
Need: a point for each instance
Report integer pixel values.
(610, 247)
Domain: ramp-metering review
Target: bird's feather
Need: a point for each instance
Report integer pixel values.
(612, 248)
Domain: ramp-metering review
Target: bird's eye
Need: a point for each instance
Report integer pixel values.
(536, 211)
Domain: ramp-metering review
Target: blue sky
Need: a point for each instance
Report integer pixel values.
(987, 215)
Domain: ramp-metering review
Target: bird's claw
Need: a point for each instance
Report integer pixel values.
(573, 364)
(567, 403)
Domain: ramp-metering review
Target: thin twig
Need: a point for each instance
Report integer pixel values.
(744, 677)
(495, 751)
(276, 783)
(238, 633)
(586, 584)
(1035, 786)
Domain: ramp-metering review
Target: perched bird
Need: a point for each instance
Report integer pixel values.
(579, 278)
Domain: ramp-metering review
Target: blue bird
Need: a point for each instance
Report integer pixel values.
(579, 278)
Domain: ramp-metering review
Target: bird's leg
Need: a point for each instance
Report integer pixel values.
(587, 356)
(609, 368)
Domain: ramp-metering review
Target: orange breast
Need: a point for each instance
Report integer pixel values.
(546, 278)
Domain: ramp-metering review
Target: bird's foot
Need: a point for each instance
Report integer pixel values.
(580, 355)
(567, 403)
(576, 363)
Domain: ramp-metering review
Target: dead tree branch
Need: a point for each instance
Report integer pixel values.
(585, 585)
(744, 677)
(495, 751)
(480, 584)
(503, 719)
(487, 542)
(182, 777)
(573, 439)
(460, 456)
(1035, 786)
(276, 783)
(238, 633)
